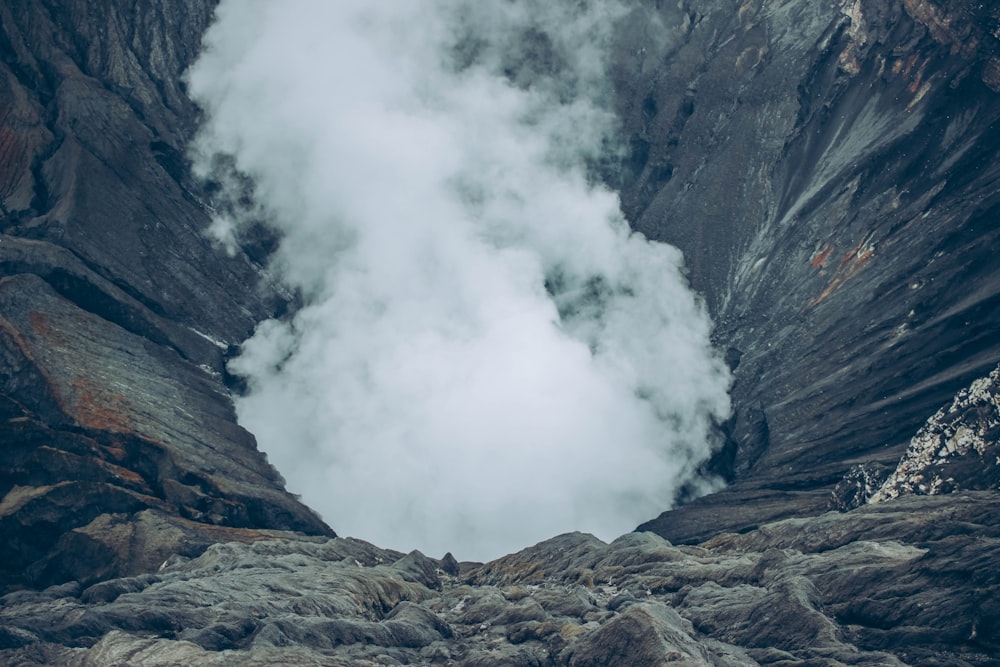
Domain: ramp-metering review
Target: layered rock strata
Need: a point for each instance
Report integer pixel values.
(116, 311)
(832, 173)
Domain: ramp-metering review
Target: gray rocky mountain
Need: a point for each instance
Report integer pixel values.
(830, 171)
(839, 215)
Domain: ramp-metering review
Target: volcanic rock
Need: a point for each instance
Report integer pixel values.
(904, 582)
(956, 449)
(836, 199)
(117, 310)
(831, 172)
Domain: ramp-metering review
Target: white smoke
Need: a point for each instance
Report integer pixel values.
(486, 355)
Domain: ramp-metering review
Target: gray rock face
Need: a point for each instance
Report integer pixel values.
(115, 310)
(887, 584)
(831, 172)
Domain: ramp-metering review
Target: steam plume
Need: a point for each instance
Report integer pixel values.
(486, 355)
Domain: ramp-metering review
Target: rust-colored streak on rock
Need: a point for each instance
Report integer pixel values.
(852, 262)
(42, 325)
(87, 402)
(115, 450)
(126, 476)
(818, 260)
(100, 409)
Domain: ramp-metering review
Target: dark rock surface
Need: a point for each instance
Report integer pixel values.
(115, 309)
(831, 172)
(887, 584)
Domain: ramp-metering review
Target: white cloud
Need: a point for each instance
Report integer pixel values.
(487, 356)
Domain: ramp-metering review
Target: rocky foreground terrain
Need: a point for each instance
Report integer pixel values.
(831, 172)
(907, 581)
(911, 582)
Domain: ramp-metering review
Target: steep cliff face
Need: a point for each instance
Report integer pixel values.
(116, 310)
(831, 172)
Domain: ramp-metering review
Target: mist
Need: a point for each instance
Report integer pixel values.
(485, 354)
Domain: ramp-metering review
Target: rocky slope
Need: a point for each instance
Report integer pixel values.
(831, 172)
(909, 582)
(116, 310)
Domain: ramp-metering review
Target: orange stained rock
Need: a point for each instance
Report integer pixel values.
(115, 450)
(125, 475)
(818, 260)
(100, 409)
(850, 264)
